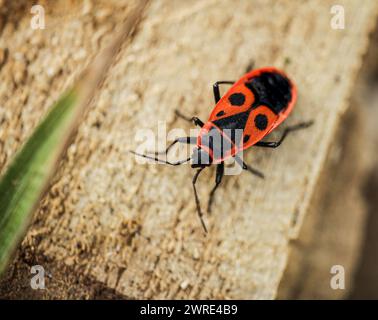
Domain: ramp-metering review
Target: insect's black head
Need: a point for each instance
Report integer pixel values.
(200, 158)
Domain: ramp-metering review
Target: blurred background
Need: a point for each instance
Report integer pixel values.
(347, 196)
(366, 278)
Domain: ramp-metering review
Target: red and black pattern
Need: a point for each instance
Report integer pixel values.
(254, 106)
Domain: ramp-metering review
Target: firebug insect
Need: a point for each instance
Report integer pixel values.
(255, 105)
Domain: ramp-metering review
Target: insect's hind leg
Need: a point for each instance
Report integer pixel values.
(194, 120)
(216, 89)
(218, 179)
(250, 66)
(275, 144)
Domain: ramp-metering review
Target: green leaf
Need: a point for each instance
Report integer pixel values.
(27, 176)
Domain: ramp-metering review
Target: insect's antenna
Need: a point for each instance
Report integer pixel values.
(156, 159)
(200, 215)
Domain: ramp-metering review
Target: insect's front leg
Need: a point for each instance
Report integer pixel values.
(218, 179)
(216, 89)
(195, 120)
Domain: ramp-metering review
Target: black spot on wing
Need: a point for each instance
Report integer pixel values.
(271, 89)
(237, 99)
(246, 138)
(220, 113)
(261, 121)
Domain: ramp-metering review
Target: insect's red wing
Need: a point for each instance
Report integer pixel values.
(260, 122)
(236, 100)
(254, 129)
(283, 115)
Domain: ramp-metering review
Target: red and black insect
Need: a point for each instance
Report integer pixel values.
(252, 108)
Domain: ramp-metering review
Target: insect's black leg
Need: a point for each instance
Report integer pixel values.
(187, 140)
(195, 120)
(250, 66)
(275, 144)
(200, 215)
(245, 166)
(216, 89)
(161, 160)
(218, 178)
